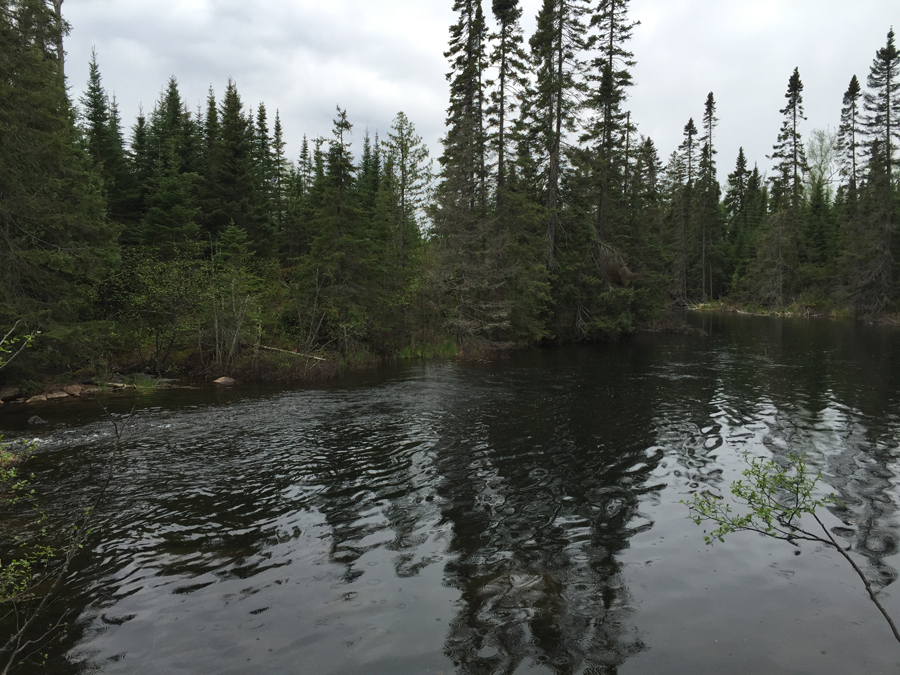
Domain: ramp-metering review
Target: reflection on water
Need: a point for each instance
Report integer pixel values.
(519, 516)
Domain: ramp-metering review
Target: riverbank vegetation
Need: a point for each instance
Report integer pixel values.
(192, 241)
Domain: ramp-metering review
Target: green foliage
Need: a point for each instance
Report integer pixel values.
(28, 552)
(11, 345)
(773, 498)
(553, 219)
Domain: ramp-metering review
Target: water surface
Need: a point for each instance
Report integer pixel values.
(519, 516)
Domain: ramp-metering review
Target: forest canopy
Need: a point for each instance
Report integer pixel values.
(191, 240)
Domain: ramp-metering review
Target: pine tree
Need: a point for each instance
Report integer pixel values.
(279, 178)
(609, 127)
(555, 46)
(412, 177)
(171, 218)
(95, 114)
(467, 248)
(685, 215)
(850, 135)
(235, 176)
(788, 152)
(708, 213)
(56, 241)
(871, 241)
(103, 141)
(735, 204)
(509, 60)
(463, 156)
(882, 104)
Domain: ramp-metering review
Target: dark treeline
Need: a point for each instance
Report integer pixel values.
(199, 242)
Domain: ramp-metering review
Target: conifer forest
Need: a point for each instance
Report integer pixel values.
(191, 240)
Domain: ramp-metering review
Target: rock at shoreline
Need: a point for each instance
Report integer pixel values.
(225, 381)
(35, 420)
(40, 398)
(74, 390)
(57, 394)
(9, 392)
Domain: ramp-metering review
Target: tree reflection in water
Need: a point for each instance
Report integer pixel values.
(540, 508)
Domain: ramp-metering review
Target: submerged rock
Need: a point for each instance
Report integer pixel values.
(35, 420)
(225, 381)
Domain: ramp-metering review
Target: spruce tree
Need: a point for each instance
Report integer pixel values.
(882, 104)
(609, 77)
(279, 178)
(235, 176)
(412, 177)
(555, 45)
(850, 135)
(871, 241)
(685, 214)
(737, 227)
(102, 131)
(466, 247)
(57, 242)
(788, 152)
(509, 60)
(708, 214)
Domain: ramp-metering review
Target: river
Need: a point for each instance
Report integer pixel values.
(516, 516)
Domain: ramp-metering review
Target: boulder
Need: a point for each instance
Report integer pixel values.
(74, 390)
(56, 394)
(36, 420)
(224, 381)
(9, 392)
(40, 398)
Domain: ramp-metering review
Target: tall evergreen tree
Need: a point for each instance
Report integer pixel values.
(871, 244)
(104, 144)
(55, 241)
(850, 135)
(555, 46)
(708, 214)
(412, 179)
(279, 178)
(882, 104)
(609, 127)
(467, 248)
(235, 175)
(685, 206)
(509, 60)
(789, 152)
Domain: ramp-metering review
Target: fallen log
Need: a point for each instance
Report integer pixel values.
(285, 351)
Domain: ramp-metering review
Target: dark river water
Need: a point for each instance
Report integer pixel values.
(517, 516)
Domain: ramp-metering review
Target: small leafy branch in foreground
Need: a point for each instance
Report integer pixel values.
(14, 344)
(31, 579)
(17, 573)
(775, 500)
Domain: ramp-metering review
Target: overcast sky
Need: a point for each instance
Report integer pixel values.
(378, 57)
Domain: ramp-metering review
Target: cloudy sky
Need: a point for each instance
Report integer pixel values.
(377, 57)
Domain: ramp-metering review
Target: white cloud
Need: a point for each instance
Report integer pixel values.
(375, 58)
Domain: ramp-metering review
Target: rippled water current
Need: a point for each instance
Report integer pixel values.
(519, 516)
